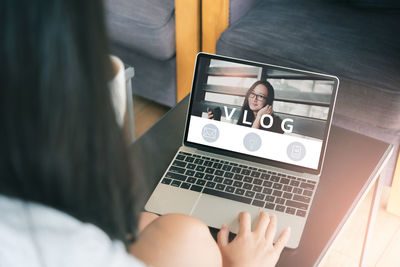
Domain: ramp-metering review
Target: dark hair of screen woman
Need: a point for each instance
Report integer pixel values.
(259, 101)
(60, 143)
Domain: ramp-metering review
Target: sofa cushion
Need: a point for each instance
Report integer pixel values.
(147, 26)
(360, 46)
(376, 3)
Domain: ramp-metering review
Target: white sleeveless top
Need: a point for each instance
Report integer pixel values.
(38, 236)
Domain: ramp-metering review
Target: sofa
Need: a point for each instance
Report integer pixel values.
(359, 41)
(159, 38)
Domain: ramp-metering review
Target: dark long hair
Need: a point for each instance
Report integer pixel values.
(250, 114)
(59, 142)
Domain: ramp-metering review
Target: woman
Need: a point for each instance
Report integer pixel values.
(257, 108)
(68, 195)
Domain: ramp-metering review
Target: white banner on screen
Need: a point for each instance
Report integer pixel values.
(280, 147)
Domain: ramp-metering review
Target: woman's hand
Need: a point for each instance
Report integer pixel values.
(210, 114)
(252, 248)
(267, 110)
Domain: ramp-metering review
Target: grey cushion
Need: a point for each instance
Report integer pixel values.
(147, 26)
(361, 46)
(376, 3)
(154, 79)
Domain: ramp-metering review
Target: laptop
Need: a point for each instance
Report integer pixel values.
(255, 139)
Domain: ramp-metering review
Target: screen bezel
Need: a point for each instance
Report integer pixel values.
(250, 158)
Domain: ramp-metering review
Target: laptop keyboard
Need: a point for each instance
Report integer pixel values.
(257, 187)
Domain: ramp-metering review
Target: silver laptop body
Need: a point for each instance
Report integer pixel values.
(224, 166)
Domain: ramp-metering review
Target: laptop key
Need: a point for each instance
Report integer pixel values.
(267, 191)
(239, 191)
(228, 181)
(236, 170)
(247, 186)
(280, 208)
(166, 181)
(185, 186)
(275, 178)
(270, 198)
(294, 183)
(228, 174)
(219, 172)
(267, 184)
(237, 184)
(179, 163)
(220, 187)
(210, 184)
(245, 172)
(201, 182)
(287, 195)
(297, 191)
(189, 159)
(180, 157)
(191, 166)
(277, 186)
(177, 169)
(295, 204)
(257, 181)
(269, 205)
(176, 183)
(227, 195)
(200, 168)
(258, 203)
(302, 198)
(209, 177)
(230, 189)
(189, 172)
(285, 180)
(198, 161)
(277, 193)
(199, 175)
(208, 163)
(257, 188)
(196, 188)
(227, 168)
(255, 174)
(265, 176)
(307, 193)
(307, 186)
(247, 179)
(301, 213)
(218, 179)
(280, 201)
(176, 176)
(260, 196)
(238, 177)
(249, 194)
(191, 180)
(290, 210)
(217, 165)
(210, 171)
(287, 188)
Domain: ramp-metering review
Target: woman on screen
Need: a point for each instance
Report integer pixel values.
(257, 109)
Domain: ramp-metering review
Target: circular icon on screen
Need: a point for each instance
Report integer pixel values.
(252, 142)
(210, 133)
(296, 151)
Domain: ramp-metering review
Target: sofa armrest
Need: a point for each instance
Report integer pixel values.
(187, 29)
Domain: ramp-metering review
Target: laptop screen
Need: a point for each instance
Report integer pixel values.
(262, 111)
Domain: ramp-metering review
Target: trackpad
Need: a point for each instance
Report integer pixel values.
(215, 211)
